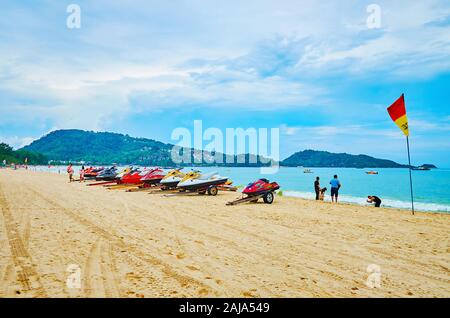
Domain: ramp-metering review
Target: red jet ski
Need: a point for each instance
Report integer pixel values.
(92, 172)
(154, 176)
(133, 177)
(261, 188)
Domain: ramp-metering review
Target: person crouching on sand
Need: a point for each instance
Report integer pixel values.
(374, 199)
(70, 172)
(335, 186)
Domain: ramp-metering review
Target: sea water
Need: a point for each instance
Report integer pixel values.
(431, 188)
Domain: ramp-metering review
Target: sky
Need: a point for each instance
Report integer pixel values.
(313, 69)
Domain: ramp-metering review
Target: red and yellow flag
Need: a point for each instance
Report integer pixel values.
(397, 111)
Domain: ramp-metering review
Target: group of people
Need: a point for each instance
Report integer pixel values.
(70, 173)
(335, 186)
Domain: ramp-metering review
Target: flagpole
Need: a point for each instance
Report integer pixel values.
(410, 175)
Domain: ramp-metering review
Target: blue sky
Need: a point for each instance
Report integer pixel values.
(313, 69)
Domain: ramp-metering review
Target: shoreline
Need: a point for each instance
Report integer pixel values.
(141, 245)
(388, 203)
(362, 204)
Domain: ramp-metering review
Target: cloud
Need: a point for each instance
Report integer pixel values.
(135, 58)
(17, 142)
(429, 126)
(442, 22)
(323, 132)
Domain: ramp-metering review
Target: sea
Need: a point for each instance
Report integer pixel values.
(431, 189)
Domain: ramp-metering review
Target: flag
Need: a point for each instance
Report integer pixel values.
(397, 111)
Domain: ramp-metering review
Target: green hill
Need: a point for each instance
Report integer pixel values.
(108, 148)
(112, 148)
(314, 159)
(18, 156)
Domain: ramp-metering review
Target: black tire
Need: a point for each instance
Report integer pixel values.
(213, 190)
(268, 198)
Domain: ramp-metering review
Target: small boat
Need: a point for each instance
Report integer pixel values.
(420, 169)
(372, 172)
(307, 171)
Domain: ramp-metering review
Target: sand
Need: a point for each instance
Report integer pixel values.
(118, 244)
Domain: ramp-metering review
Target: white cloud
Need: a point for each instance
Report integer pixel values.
(17, 142)
(134, 57)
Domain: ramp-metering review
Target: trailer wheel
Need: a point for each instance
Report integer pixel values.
(268, 198)
(213, 190)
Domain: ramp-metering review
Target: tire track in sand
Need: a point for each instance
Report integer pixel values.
(99, 275)
(27, 275)
(133, 252)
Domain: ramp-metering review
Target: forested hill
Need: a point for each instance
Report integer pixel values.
(18, 156)
(312, 158)
(108, 148)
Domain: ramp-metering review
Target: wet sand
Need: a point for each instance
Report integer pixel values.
(150, 245)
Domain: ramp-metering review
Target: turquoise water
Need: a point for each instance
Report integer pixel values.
(431, 188)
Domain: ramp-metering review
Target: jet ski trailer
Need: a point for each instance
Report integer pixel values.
(262, 188)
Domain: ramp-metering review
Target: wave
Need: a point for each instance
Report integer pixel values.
(389, 203)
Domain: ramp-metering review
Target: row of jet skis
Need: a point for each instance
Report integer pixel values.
(176, 181)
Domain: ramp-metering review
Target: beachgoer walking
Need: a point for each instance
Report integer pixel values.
(335, 186)
(317, 188)
(70, 172)
(374, 199)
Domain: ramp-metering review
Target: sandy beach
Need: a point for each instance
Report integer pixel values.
(150, 245)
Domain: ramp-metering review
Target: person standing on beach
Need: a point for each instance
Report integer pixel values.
(70, 172)
(317, 188)
(335, 186)
(82, 174)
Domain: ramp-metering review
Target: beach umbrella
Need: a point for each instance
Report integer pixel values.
(397, 111)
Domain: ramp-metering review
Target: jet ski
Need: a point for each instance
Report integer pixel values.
(92, 172)
(202, 183)
(261, 188)
(132, 177)
(108, 174)
(124, 171)
(172, 178)
(152, 177)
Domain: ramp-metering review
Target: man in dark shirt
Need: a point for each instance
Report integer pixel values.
(317, 188)
(374, 199)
